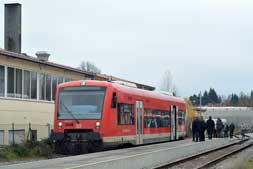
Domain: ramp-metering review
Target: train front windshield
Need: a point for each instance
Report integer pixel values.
(81, 102)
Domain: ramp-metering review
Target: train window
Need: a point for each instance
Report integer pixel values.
(125, 114)
(149, 119)
(81, 102)
(114, 100)
(169, 117)
(156, 118)
(181, 118)
(164, 119)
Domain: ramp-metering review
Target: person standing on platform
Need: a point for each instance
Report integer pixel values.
(231, 130)
(202, 129)
(214, 131)
(226, 128)
(195, 129)
(243, 130)
(219, 127)
(210, 127)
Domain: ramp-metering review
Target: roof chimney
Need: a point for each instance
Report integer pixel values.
(42, 55)
(12, 27)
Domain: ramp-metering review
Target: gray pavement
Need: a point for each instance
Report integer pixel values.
(134, 158)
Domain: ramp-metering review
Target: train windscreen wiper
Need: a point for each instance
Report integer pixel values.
(70, 112)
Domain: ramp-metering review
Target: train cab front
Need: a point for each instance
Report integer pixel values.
(78, 114)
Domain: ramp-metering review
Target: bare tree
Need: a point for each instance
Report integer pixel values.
(82, 66)
(88, 66)
(167, 84)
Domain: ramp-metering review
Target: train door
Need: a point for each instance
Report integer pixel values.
(173, 122)
(139, 115)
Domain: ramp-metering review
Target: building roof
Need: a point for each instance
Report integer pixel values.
(52, 64)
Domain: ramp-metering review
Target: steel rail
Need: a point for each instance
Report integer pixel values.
(205, 152)
(222, 157)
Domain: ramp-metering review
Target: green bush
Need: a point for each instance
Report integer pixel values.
(44, 147)
(8, 153)
(21, 150)
(34, 152)
(31, 149)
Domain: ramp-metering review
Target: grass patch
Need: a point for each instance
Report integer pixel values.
(42, 148)
(246, 163)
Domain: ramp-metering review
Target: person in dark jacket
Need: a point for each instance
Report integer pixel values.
(195, 129)
(210, 127)
(202, 130)
(219, 127)
(231, 130)
(226, 128)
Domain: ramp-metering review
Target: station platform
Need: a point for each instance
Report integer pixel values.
(147, 156)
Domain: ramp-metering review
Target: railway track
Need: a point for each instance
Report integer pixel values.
(208, 158)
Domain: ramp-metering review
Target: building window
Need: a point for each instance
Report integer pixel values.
(14, 82)
(60, 80)
(48, 87)
(33, 85)
(1, 137)
(10, 82)
(54, 86)
(18, 83)
(27, 85)
(42, 88)
(68, 79)
(33, 136)
(2, 81)
(125, 114)
(16, 136)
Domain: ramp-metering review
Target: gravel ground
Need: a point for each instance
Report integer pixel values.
(242, 160)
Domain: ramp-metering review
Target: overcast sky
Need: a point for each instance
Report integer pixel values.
(204, 43)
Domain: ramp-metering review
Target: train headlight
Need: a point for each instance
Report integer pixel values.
(97, 124)
(60, 124)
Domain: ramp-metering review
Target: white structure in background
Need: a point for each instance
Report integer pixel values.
(237, 115)
(125, 83)
(164, 92)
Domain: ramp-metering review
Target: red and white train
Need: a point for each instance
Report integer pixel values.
(99, 113)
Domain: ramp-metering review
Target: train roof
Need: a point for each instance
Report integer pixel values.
(146, 93)
(129, 90)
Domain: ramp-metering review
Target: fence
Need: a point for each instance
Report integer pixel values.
(15, 133)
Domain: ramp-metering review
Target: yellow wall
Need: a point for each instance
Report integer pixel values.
(21, 113)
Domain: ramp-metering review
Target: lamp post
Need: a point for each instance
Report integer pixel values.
(200, 100)
(200, 103)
